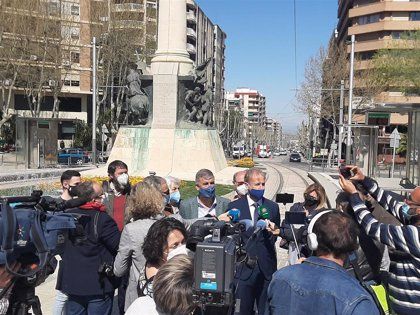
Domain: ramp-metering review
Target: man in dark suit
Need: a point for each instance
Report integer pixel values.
(206, 204)
(253, 277)
(90, 291)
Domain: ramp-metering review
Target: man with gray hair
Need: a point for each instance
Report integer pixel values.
(240, 187)
(206, 204)
(253, 277)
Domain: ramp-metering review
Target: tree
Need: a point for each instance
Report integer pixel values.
(397, 68)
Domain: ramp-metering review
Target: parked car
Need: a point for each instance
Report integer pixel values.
(294, 157)
(73, 156)
(276, 153)
(283, 152)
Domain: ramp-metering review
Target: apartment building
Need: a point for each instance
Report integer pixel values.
(377, 24)
(207, 40)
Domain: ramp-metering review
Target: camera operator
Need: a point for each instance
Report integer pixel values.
(172, 290)
(86, 276)
(320, 284)
(69, 180)
(372, 257)
(404, 276)
(254, 276)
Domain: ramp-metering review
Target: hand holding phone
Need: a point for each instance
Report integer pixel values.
(346, 171)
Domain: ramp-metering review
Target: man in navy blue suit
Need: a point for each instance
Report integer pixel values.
(253, 277)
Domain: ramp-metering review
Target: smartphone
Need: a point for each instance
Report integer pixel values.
(295, 217)
(285, 198)
(346, 172)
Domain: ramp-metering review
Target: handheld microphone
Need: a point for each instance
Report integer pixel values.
(263, 212)
(247, 223)
(234, 215)
(261, 225)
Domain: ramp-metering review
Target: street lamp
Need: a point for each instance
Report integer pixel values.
(348, 147)
(94, 96)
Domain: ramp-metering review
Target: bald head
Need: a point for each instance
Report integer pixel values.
(239, 178)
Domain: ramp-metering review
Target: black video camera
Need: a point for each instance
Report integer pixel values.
(216, 245)
(30, 231)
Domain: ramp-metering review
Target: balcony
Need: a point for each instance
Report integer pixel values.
(191, 17)
(191, 33)
(191, 49)
(384, 26)
(129, 24)
(375, 44)
(124, 7)
(191, 4)
(384, 6)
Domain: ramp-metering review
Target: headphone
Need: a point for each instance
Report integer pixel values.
(312, 239)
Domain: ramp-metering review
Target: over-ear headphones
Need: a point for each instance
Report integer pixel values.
(312, 239)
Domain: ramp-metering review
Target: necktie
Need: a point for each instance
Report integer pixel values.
(256, 215)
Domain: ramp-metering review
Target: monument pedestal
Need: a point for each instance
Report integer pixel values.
(179, 152)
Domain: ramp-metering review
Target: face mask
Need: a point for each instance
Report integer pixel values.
(310, 201)
(208, 192)
(257, 193)
(123, 179)
(180, 250)
(167, 199)
(175, 197)
(242, 190)
(71, 191)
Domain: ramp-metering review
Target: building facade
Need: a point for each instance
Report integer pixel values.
(377, 24)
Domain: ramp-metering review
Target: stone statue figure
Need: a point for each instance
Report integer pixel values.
(138, 102)
(199, 100)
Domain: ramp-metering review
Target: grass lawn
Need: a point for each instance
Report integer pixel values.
(188, 189)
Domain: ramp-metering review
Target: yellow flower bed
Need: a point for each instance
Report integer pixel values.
(246, 162)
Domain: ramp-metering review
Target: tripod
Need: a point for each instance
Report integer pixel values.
(23, 299)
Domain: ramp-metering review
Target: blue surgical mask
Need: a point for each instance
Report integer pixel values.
(175, 197)
(208, 192)
(256, 193)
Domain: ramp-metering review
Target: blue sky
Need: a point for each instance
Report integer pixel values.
(260, 46)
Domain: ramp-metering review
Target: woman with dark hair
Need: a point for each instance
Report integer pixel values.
(164, 240)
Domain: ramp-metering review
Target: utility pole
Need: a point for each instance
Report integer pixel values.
(348, 148)
(94, 97)
(340, 121)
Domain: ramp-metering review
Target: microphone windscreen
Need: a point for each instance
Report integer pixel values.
(263, 212)
(234, 215)
(261, 224)
(248, 223)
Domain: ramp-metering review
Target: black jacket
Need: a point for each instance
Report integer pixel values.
(81, 260)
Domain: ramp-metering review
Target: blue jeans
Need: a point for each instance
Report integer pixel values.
(60, 302)
(89, 304)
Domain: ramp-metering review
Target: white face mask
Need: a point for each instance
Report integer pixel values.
(242, 190)
(180, 250)
(123, 179)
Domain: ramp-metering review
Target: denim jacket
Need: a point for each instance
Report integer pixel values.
(317, 286)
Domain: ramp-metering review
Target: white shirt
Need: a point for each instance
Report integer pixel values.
(203, 210)
(142, 305)
(251, 206)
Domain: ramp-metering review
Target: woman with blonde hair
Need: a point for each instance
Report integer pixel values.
(315, 199)
(144, 207)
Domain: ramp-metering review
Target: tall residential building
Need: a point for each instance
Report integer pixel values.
(377, 24)
(206, 40)
(72, 24)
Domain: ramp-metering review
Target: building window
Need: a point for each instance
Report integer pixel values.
(367, 19)
(415, 16)
(75, 57)
(74, 9)
(75, 83)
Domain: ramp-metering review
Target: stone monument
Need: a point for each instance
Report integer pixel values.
(179, 138)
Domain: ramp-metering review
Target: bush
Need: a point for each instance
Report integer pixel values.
(246, 162)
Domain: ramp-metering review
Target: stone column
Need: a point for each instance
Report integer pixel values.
(171, 60)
